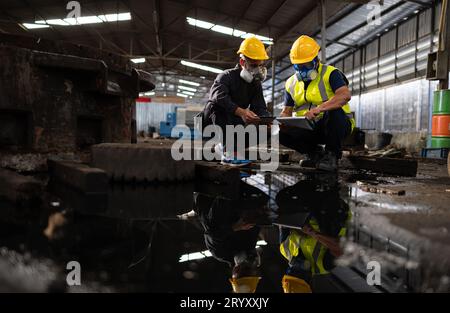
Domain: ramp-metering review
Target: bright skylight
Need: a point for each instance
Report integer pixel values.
(82, 20)
(187, 88)
(227, 30)
(186, 82)
(187, 92)
(138, 60)
(201, 67)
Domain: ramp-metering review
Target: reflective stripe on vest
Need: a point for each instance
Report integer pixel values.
(312, 251)
(322, 90)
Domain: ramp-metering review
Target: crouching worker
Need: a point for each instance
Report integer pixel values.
(236, 97)
(320, 93)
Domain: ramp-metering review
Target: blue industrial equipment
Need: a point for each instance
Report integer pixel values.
(185, 129)
(165, 128)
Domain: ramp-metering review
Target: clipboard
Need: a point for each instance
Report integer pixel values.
(294, 221)
(299, 122)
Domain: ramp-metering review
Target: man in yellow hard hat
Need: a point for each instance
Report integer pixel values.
(236, 96)
(311, 251)
(320, 93)
(231, 229)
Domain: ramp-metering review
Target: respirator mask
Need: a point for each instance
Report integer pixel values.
(250, 72)
(307, 71)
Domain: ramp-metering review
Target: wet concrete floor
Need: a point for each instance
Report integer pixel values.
(133, 239)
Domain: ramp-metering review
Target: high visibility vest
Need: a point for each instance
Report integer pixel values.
(318, 91)
(311, 250)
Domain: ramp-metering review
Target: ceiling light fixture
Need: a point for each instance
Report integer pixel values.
(201, 67)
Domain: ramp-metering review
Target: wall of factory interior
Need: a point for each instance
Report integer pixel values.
(387, 79)
(150, 114)
(403, 107)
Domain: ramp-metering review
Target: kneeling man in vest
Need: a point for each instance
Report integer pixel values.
(320, 93)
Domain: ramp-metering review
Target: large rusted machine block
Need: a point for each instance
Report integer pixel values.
(59, 97)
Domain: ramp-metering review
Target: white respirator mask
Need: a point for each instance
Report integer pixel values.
(258, 73)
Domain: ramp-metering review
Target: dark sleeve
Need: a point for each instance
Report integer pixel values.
(257, 103)
(288, 101)
(217, 218)
(337, 80)
(220, 93)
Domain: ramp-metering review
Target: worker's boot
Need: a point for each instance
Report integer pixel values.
(312, 159)
(328, 162)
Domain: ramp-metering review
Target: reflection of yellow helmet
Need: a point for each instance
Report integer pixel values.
(253, 48)
(245, 284)
(293, 284)
(304, 49)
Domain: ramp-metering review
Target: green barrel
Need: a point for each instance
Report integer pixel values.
(441, 103)
(440, 142)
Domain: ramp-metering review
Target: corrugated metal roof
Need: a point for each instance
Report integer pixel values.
(393, 11)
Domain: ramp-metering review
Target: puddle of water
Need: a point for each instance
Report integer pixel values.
(131, 239)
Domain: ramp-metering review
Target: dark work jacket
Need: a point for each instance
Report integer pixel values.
(217, 216)
(228, 92)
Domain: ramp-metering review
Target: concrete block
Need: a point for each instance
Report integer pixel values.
(141, 162)
(216, 179)
(79, 176)
(20, 189)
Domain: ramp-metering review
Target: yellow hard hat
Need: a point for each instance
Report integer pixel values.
(245, 284)
(253, 48)
(293, 284)
(304, 49)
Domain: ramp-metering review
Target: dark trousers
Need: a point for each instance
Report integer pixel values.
(331, 130)
(222, 119)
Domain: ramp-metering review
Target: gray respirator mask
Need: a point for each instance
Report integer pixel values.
(255, 74)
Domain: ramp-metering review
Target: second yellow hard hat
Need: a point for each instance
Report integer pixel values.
(304, 49)
(293, 284)
(246, 284)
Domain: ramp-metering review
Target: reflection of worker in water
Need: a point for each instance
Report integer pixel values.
(231, 232)
(312, 250)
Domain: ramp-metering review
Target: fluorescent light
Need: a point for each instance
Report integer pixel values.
(261, 243)
(182, 95)
(207, 254)
(53, 22)
(223, 29)
(198, 23)
(227, 30)
(150, 93)
(187, 92)
(34, 26)
(187, 88)
(186, 82)
(138, 60)
(194, 256)
(89, 20)
(94, 19)
(201, 67)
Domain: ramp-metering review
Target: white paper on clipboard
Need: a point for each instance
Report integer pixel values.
(300, 122)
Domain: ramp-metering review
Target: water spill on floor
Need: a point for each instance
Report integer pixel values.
(196, 236)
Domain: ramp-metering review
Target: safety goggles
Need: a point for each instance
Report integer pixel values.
(305, 66)
(253, 64)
